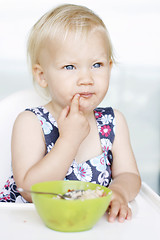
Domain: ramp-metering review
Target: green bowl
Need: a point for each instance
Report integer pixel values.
(69, 215)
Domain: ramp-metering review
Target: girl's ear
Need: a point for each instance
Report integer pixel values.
(110, 67)
(39, 75)
(110, 64)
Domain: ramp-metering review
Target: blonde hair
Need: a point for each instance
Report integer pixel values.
(58, 23)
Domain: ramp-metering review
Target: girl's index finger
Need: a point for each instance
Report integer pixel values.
(75, 104)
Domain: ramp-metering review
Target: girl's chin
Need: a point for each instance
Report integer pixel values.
(86, 107)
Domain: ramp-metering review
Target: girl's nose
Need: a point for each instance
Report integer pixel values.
(85, 78)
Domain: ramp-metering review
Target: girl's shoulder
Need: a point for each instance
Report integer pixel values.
(120, 118)
(24, 118)
(26, 122)
(27, 117)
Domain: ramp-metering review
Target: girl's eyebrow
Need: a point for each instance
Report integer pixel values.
(66, 62)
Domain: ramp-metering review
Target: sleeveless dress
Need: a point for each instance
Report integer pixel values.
(95, 170)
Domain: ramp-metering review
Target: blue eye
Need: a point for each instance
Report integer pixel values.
(97, 65)
(69, 67)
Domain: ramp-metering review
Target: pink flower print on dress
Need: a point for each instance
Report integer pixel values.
(7, 184)
(98, 114)
(105, 130)
(102, 160)
(82, 171)
(5, 198)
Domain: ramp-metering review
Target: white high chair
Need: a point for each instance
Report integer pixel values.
(10, 107)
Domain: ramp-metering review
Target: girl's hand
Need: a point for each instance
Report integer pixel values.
(118, 208)
(72, 123)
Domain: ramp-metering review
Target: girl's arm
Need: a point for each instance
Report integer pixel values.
(126, 179)
(29, 162)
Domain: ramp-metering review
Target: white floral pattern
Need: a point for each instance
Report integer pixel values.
(82, 171)
(99, 163)
(107, 118)
(46, 126)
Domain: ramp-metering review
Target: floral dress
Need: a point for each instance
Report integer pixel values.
(95, 170)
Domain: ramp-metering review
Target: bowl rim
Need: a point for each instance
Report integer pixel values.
(109, 192)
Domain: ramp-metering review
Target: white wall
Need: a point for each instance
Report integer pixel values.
(135, 83)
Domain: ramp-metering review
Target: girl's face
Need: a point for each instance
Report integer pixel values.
(76, 66)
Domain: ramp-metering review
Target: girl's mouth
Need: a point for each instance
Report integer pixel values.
(86, 94)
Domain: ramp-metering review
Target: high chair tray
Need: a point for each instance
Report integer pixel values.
(21, 221)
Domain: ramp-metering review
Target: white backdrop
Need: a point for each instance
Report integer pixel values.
(135, 82)
(133, 26)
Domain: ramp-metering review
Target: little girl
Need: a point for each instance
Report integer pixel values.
(70, 138)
